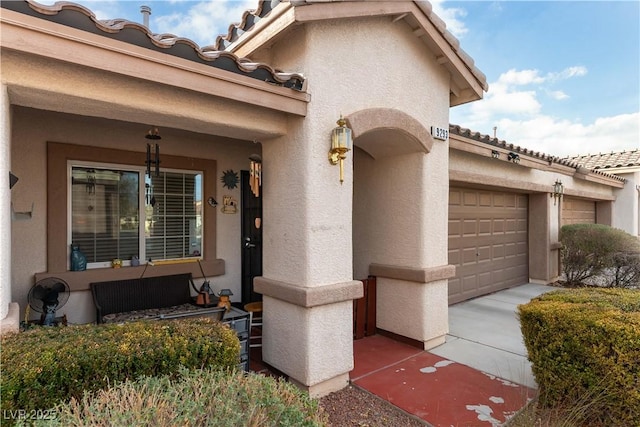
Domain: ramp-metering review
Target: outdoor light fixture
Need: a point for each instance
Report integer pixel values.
(495, 154)
(558, 190)
(153, 134)
(513, 157)
(340, 145)
(12, 180)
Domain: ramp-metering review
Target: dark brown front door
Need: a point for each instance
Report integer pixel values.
(251, 240)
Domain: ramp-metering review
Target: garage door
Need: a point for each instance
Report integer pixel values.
(578, 211)
(487, 241)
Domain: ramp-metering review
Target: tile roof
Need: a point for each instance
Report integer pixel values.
(610, 160)
(251, 17)
(572, 163)
(79, 17)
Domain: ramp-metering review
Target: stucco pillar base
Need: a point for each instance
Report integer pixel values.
(325, 387)
(413, 301)
(414, 310)
(432, 343)
(543, 282)
(308, 332)
(11, 323)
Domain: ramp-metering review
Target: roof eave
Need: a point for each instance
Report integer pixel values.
(468, 83)
(27, 34)
(483, 145)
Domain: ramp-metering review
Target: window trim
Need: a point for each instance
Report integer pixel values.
(58, 154)
(141, 204)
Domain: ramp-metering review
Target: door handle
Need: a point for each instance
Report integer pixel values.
(248, 244)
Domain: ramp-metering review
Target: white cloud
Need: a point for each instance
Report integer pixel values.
(558, 94)
(568, 73)
(452, 16)
(512, 104)
(515, 95)
(519, 78)
(564, 138)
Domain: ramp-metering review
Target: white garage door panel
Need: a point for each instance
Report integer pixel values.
(487, 241)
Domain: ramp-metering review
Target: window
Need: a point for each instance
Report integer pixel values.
(119, 212)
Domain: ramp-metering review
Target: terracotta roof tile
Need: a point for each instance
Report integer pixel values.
(78, 16)
(251, 17)
(609, 160)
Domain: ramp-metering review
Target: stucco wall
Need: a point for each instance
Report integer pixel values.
(342, 80)
(625, 208)
(509, 175)
(5, 229)
(33, 128)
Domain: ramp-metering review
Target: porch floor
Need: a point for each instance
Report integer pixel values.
(436, 390)
(479, 377)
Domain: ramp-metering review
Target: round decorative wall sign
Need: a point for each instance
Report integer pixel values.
(230, 179)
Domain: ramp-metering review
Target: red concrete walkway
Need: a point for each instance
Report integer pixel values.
(436, 390)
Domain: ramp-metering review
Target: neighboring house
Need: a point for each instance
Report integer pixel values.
(625, 164)
(439, 214)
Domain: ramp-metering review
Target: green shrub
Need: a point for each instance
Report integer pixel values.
(208, 397)
(590, 250)
(45, 365)
(586, 342)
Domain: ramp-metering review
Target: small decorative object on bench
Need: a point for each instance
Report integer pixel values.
(224, 299)
(147, 298)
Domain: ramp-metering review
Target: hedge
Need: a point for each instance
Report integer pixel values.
(595, 251)
(206, 397)
(46, 365)
(586, 342)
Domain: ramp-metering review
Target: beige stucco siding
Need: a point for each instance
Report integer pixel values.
(31, 131)
(485, 171)
(380, 65)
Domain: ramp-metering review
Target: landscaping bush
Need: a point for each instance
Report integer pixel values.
(586, 342)
(206, 397)
(45, 365)
(590, 250)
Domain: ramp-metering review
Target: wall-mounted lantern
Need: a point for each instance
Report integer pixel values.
(558, 191)
(340, 144)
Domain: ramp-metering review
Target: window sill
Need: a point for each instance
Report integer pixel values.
(79, 280)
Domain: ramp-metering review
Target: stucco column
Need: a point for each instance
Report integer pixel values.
(625, 208)
(544, 246)
(307, 282)
(8, 318)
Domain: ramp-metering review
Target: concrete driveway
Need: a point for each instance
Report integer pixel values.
(484, 333)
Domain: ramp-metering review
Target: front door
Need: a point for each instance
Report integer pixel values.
(251, 240)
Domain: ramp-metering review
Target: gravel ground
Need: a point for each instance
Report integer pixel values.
(353, 406)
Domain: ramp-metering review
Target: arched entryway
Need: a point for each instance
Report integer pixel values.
(399, 192)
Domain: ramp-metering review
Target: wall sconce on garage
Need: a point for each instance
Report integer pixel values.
(513, 157)
(340, 144)
(558, 190)
(495, 154)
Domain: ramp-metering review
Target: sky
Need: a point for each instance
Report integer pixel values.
(564, 76)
